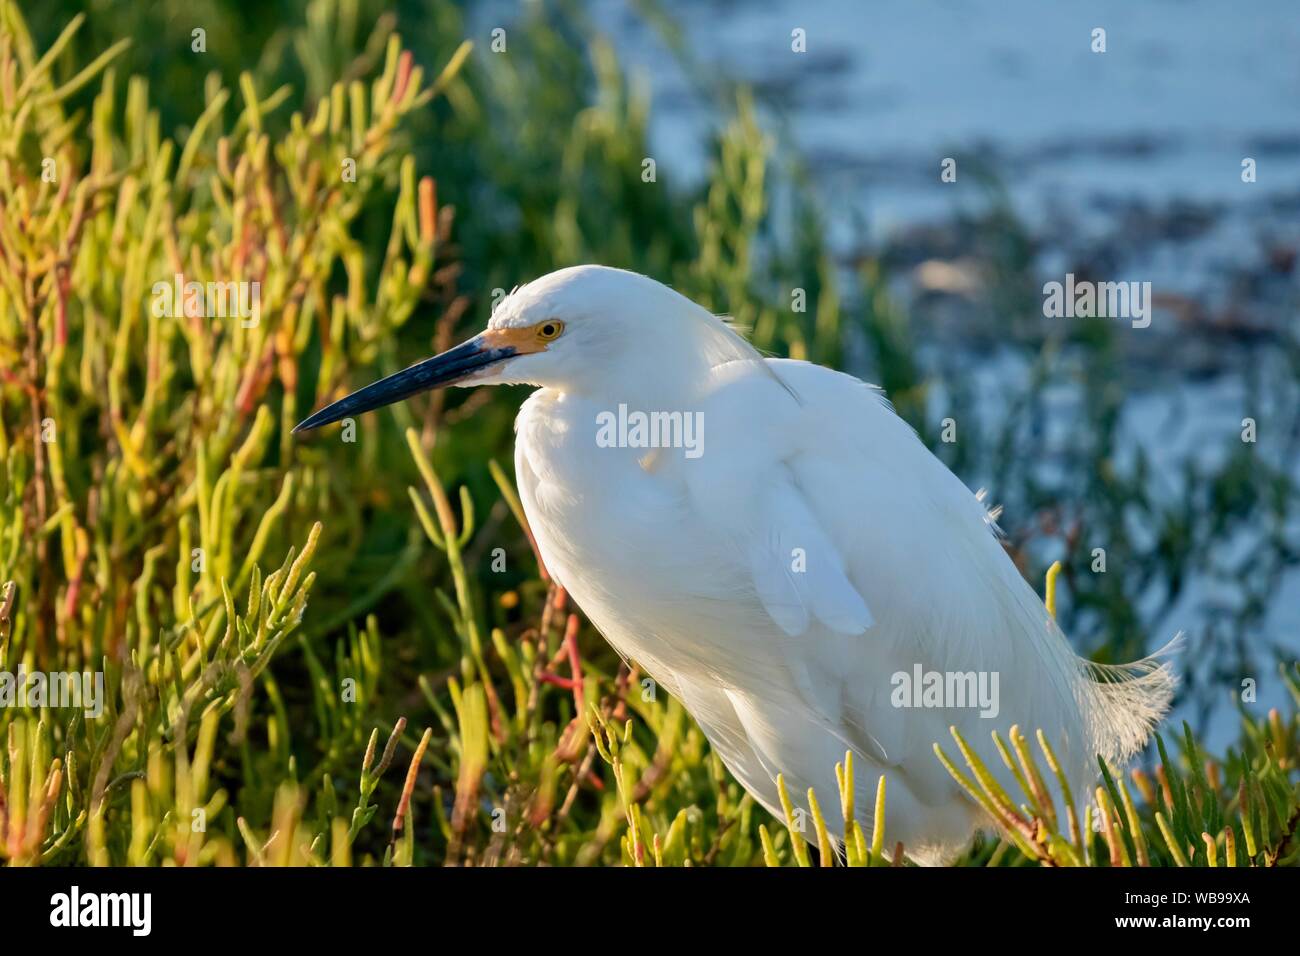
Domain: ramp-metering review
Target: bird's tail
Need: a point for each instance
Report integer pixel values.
(1126, 701)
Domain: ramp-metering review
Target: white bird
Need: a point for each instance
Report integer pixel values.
(787, 560)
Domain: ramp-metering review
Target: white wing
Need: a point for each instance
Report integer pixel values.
(903, 576)
(798, 572)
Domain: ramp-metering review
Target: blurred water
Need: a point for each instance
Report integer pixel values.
(1134, 154)
(1184, 91)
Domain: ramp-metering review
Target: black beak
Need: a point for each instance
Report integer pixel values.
(446, 369)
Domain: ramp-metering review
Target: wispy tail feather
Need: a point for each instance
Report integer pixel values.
(1127, 701)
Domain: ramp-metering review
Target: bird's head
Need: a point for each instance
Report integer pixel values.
(588, 329)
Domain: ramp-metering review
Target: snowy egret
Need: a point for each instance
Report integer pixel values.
(776, 548)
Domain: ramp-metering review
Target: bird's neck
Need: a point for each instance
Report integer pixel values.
(664, 389)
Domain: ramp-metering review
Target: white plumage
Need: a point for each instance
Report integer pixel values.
(779, 580)
(685, 565)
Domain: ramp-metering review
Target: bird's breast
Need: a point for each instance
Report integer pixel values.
(615, 525)
(600, 511)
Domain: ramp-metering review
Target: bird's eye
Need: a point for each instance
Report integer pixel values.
(550, 330)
